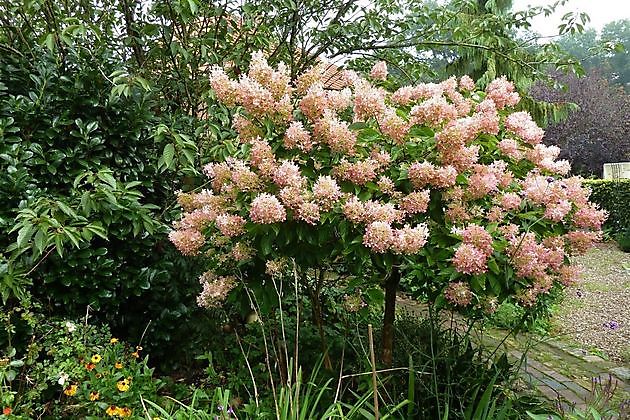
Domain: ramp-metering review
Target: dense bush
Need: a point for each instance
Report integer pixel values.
(613, 196)
(79, 169)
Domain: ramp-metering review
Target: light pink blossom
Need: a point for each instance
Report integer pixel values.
(266, 209)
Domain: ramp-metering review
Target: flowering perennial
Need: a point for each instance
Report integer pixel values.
(440, 170)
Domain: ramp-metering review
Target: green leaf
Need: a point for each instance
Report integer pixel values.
(24, 235)
(66, 210)
(107, 178)
(193, 6)
(40, 241)
(50, 42)
(168, 154)
(265, 244)
(492, 265)
(478, 283)
(59, 245)
(357, 126)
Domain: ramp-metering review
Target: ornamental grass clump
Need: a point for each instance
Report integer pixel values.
(442, 183)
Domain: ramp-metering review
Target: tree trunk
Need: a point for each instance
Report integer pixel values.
(387, 334)
(319, 322)
(318, 317)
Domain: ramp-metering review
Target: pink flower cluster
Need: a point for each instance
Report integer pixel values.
(434, 111)
(215, 289)
(326, 192)
(296, 137)
(458, 294)
(560, 198)
(267, 209)
(335, 133)
(380, 237)
(379, 71)
(471, 256)
(485, 179)
(394, 126)
(360, 172)
(230, 225)
(187, 241)
(415, 202)
(501, 92)
(466, 83)
(426, 173)
(288, 174)
(521, 124)
(544, 157)
(368, 102)
(263, 92)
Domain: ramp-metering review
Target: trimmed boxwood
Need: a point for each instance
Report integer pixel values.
(614, 196)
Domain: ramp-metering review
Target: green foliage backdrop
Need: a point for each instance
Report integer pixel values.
(613, 196)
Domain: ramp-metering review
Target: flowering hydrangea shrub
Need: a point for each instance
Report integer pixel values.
(443, 182)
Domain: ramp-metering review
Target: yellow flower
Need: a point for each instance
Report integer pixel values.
(96, 358)
(71, 390)
(124, 412)
(114, 340)
(112, 410)
(123, 386)
(135, 354)
(94, 396)
(118, 365)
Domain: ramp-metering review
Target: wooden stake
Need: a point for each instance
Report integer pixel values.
(373, 362)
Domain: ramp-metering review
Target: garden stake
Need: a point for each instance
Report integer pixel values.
(373, 362)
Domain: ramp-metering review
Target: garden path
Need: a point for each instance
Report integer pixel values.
(558, 371)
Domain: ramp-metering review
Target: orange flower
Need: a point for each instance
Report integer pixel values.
(118, 365)
(7, 410)
(94, 396)
(124, 412)
(90, 366)
(71, 390)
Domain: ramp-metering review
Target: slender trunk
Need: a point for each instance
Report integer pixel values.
(318, 318)
(319, 321)
(391, 286)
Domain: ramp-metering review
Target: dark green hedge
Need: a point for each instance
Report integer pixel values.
(614, 196)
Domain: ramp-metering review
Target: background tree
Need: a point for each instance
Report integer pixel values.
(606, 52)
(597, 132)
